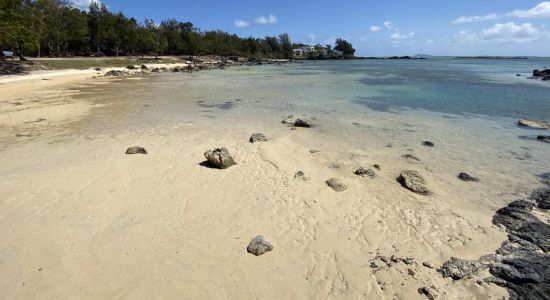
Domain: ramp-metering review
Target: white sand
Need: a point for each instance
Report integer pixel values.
(80, 219)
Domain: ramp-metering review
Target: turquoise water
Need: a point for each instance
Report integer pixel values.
(384, 108)
(484, 87)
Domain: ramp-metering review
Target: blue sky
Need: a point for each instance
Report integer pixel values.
(396, 27)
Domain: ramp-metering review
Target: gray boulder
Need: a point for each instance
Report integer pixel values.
(219, 158)
(365, 172)
(257, 137)
(336, 184)
(414, 182)
(259, 246)
(136, 150)
(458, 268)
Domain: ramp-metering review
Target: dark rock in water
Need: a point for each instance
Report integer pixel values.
(365, 172)
(542, 197)
(467, 177)
(257, 137)
(545, 178)
(533, 124)
(97, 69)
(155, 70)
(336, 184)
(410, 156)
(130, 67)
(377, 167)
(144, 67)
(544, 138)
(259, 246)
(537, 73)
(518, 75)
(408, 260)
(428, 144)
(220, 158)
(413, 181)
(302, 123)
(426, 291)
(136, 150)
(457, 268)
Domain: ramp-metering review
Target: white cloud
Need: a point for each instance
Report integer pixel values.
(311, 37)
(476, 18)
(241, 23)
(83, 4)
(542, 10)
(388, 25)
(374, 28)
(508, 33)
(271, 19)
(398, 37)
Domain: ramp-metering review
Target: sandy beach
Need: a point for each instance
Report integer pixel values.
(81, 219)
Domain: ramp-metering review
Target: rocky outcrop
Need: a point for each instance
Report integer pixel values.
(259, 246)
(219, 158)
(414, 182)
(257, 137)
(466, 177)
(116, 73)
(136, 150)
(521, 263)
(336, 184)
(542, 198)
(533, 124)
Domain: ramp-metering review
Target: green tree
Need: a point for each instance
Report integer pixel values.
(345, 47)
(286, 45)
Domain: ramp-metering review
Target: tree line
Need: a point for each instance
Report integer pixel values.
(55, 28)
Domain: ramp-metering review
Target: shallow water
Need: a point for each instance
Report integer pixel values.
(469, 108)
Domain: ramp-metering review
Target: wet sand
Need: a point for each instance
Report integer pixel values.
(80, 219)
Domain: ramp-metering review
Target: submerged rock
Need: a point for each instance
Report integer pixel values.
(533, 124)
(365, 172)
(259, 246)
(458, 268)
(302, 123)
(130, 67)
(428, 144)
(410, 156)
(144, 67)
(466, 177)
(336, 184)
(220, 158)
(136, 150)
(413, 181)
(257, 137)
(544, 138)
